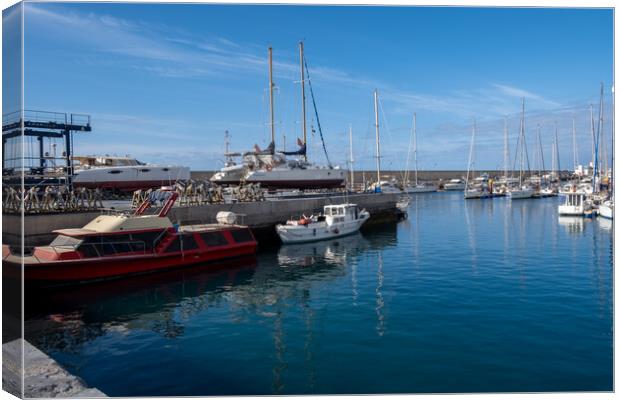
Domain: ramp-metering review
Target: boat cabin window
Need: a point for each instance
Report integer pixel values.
(188, 242)
(174, 246)
(147, 239)
(65, 241)
(115, 171)
(241, 235)
(214, 239)
(109, 245)
(574, 200)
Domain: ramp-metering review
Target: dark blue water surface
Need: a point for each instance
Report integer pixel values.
(483, 295)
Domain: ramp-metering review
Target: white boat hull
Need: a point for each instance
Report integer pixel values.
(454, 186)
(129, 178)
(606, 211)
(298, 178)
(521, 194)
(571, 210)
(421, 189)
(319, 231)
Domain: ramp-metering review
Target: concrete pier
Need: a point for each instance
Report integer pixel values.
(260, 216)
(43, 377)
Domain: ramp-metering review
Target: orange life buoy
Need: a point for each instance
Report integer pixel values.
(269, 167)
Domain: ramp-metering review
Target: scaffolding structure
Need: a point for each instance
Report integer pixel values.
(38, 145)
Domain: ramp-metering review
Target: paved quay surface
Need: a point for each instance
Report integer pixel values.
(43, 377)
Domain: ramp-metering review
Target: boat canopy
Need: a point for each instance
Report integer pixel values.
(116, 223)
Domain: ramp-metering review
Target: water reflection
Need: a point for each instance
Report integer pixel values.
(572, 225)
(162, 303)
(363, 313)
(605, 224)
(336, 252)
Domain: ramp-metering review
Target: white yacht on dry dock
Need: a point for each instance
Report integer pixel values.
(337, 220)
(271, 168)
(124, 173)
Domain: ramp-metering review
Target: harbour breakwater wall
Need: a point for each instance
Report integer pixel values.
(261, 216)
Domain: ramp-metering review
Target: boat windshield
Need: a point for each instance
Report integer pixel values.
(66, 241)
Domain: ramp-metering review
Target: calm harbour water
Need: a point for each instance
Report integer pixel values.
(483, 295)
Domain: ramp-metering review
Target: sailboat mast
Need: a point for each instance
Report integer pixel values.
(351, 156)
(471, 154)
(557, 151)
(303, 96)
(542, 154)
(553, 160)
(377, 137)
(601, 140)
(415, 148)
(575, 161)
(273, 130)
(592, 134)
(226, 142)
(522, 136)
(506, 151)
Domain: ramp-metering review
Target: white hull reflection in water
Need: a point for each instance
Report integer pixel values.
(572, 224)
(333, 251)
(467, 282)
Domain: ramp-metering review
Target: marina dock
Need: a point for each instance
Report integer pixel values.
(261, 216)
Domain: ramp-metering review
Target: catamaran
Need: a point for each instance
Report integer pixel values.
(271, 168)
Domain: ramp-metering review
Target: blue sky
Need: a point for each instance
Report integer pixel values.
(163, 82)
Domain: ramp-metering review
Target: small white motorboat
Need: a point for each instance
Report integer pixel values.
(337, 220)
(574, 204)
(403, 204)
(548, 192)
(455, 184)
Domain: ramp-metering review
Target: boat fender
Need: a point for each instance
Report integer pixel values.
(336, 231)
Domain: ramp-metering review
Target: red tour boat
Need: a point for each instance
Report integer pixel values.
(111, 246)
